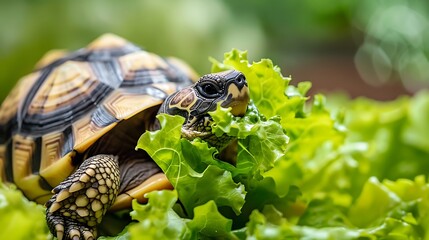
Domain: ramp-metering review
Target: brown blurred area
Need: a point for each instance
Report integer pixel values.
(338, 73)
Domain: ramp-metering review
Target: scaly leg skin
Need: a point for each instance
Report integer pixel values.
(81, 200)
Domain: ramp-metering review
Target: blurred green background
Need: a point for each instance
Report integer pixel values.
(375, 48)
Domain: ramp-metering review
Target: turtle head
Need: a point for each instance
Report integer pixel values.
(228, 88)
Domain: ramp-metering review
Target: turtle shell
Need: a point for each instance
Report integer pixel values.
(57, 112)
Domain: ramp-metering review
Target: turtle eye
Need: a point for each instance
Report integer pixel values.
(240, 79)
(209, 90)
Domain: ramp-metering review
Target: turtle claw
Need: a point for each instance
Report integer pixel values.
(59, 229)
(80, 201)
(66, 229)
(80, 232)
(56, 225)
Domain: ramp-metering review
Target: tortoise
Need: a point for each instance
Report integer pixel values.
(68, 130)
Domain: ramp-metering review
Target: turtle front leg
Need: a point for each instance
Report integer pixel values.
(81, 200)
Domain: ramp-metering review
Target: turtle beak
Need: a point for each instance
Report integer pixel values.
(239, 99)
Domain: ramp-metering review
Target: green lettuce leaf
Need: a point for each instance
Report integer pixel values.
(395, 133)
(261, 142)
(382, 211)
(157, 219)
(180, 160)
(209, 223)
(261, 226)
(20, 218)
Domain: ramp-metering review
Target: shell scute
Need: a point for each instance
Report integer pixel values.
(68, 84)
(16, 97)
